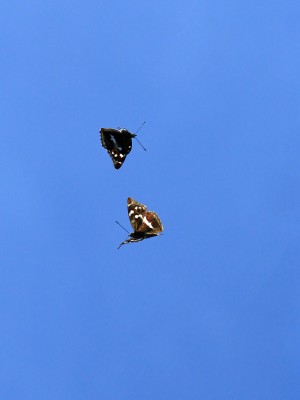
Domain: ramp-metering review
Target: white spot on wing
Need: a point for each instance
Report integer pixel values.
(147, 223)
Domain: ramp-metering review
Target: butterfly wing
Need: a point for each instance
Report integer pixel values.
(143, 221)
(151, 224)
(135, 213)
(145, 224)
(118, 143)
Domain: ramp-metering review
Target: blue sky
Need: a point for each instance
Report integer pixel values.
(210, 310)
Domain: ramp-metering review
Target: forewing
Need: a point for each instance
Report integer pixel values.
(136, 212)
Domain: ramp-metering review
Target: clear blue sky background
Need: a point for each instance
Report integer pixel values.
(210, 310)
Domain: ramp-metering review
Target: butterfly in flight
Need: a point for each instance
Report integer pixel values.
(145, 224)
(118, 143)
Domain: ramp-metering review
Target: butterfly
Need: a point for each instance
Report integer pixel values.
(145, 224)
(118, 143)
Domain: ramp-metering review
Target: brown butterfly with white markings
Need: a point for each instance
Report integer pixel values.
(145, 224)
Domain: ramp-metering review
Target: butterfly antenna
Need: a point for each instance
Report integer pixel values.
(137, 139)
(140, 127)
(140, 144)
(123, 227)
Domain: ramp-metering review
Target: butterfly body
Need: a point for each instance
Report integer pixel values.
(118, 143)
(146, 224)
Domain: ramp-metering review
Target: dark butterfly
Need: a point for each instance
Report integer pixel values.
(118, 143)
(145, 224)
